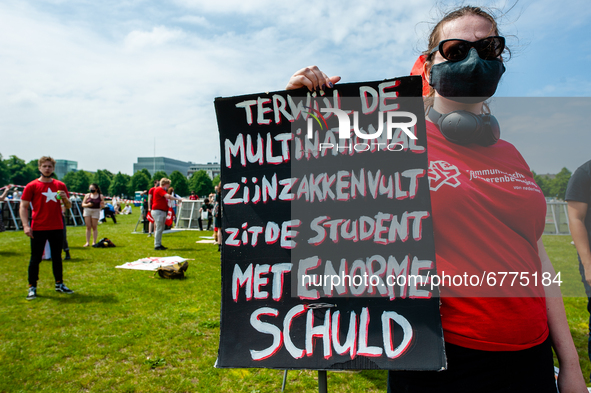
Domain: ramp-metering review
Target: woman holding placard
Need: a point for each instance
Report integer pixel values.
(488, 215)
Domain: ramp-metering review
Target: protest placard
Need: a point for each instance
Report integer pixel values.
(327, 233)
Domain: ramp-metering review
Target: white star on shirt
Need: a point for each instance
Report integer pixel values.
(50, 195)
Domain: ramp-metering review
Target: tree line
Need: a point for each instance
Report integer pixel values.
(14, 170)
(556, 187)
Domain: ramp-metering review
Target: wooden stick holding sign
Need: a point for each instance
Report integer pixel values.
(327, 233)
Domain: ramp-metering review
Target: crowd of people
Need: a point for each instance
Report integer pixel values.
(46, 221)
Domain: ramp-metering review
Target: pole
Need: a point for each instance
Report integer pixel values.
(154, 161)
(284, 381)
(322, 385)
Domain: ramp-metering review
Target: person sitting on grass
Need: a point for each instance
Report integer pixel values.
(126, 210)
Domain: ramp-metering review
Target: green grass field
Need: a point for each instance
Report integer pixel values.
(125, 331)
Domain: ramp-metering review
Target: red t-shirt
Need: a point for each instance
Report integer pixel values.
(158, 200)
(151, 193)
(47, 211)
(488, 215)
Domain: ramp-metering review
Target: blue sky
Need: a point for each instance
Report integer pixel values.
(96, 82)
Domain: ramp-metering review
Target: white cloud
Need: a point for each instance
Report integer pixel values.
(24, 97)
(194, 20)
(158, 36)
(99, 93)
(230, 6)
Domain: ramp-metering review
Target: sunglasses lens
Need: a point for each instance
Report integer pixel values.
(490, 48)
(454, 50)
(487, 48)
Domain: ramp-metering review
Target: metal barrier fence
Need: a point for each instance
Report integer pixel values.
(556, 218)
(188, 215)
(9, 209)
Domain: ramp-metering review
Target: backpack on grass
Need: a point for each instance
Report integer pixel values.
(173, 271)
(104, 243)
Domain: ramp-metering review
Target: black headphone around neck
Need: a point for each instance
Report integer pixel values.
(464, 128)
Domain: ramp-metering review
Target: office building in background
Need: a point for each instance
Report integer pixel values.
(155, 164)
(64, 166)
(213, 169)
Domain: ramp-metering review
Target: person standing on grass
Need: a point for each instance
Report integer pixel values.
(578, 197)
(144, 209)
(65, 245)
(46, 195)
(150, 202)
(109, 212)
(217, 216)
(205, 213)
(2, 198)
(173, 203)
(92, 203)
(160, 210)
(501, 343)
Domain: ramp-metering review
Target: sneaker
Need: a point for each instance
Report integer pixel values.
(68, 257)
(61, 287)
(32, 293)
(160, 248)
(149, 235)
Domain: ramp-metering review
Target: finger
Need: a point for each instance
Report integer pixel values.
(307, 76)
(317, 77)
(323, 79)
(334, 79)
(326, 82)
(298, 81)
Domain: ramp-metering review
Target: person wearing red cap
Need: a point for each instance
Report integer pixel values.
(488, 215)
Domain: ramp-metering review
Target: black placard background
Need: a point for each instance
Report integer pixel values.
(237, 336)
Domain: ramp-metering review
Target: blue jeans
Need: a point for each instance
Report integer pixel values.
(588, 292)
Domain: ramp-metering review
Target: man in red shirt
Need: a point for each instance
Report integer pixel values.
(150, 201)
(159, 208)
(46, 195)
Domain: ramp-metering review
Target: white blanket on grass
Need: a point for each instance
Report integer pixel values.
(151, 263)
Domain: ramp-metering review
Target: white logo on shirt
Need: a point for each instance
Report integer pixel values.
(440, 173)
(493, 175)
(50, 195)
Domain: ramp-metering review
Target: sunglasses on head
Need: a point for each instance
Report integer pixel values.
(455, 49)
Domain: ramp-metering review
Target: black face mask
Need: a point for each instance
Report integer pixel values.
(467, 81)
(46, 177)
